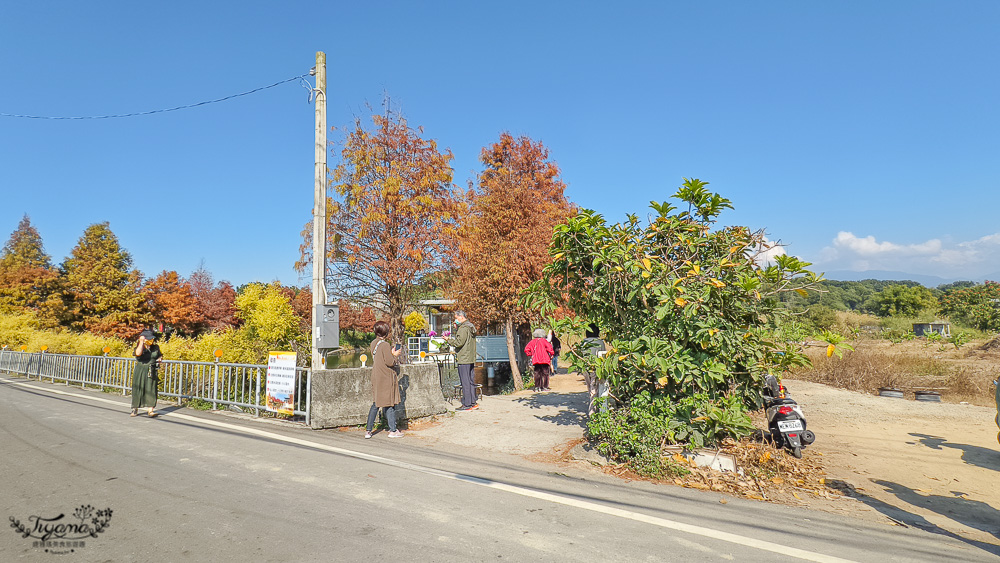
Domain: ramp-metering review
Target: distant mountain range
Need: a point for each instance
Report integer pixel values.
(925, 280)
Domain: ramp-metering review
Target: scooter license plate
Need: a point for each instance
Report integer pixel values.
(789, 425)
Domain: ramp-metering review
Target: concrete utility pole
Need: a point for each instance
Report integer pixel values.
(319, 209)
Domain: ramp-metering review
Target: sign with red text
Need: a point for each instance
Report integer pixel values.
(281, 382)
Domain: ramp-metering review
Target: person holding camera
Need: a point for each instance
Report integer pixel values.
(464, 342)
(145, 374)
(385, 383)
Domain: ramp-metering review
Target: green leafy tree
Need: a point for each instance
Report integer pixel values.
(903, 301)
(688, 311)
(963, 284)
(27, 278)
(101, 289)
(821, 317)
(977, 306)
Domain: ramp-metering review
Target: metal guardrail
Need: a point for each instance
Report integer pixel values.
(238, 385)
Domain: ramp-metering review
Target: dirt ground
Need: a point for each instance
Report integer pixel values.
(933, 466)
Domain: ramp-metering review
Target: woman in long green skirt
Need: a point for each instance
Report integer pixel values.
(144, 377)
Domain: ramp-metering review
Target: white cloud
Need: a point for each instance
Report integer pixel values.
(772, 252)
(868, 246)
(766, 253)
(970, 259)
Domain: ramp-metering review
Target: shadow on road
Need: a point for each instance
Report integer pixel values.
(973, 455)
(574, 407)
(971, 513)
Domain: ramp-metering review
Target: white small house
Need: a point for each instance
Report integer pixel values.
(940, 327)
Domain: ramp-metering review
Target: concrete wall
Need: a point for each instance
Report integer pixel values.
(342, 397)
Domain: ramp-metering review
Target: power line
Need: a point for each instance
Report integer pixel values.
(248, 92)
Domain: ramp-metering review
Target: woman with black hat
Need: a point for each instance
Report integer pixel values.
(144, 377)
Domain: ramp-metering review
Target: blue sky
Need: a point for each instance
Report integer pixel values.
(863, 135)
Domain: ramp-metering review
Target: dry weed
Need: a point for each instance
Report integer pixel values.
(849, 322)
(768, 473)
(959, 375)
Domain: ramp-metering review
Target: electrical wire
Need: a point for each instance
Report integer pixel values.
(188, 106)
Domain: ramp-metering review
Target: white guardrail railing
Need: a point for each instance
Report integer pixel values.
(218, 383)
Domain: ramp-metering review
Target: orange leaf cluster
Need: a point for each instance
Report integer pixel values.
(504, 240)
(171, 301)
(394, 217)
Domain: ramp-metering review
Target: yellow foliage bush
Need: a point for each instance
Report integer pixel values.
(24, 329)
(414, 322)
(236, 344)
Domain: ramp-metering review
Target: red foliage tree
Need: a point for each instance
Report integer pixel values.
(356, 317)
(300, 298)
(216, 304)
(504, 240)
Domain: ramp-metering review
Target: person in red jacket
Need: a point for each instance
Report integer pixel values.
(540, 351)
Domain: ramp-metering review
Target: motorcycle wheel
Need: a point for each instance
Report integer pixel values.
(808, 437)
(797, 452)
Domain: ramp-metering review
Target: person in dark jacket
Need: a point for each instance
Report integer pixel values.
(556, 348)
(385, 385)
(145, 375)
(464, 342)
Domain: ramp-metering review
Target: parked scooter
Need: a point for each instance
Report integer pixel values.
(786, 423)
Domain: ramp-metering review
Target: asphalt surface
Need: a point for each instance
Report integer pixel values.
(200, 486)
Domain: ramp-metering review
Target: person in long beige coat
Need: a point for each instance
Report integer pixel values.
(385, 384)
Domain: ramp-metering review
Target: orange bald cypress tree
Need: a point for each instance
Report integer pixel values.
(171, 301)
(392, 221)
(504, 240)
(101, 289)
(27, 278)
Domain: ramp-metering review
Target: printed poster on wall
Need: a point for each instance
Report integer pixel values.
(281, 382)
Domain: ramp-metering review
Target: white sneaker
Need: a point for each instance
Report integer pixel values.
(368, 435)
(396, 434)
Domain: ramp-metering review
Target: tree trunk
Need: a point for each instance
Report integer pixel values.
(397, 331)
(515, 372)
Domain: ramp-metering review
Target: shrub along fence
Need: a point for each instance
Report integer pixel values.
(218, 383)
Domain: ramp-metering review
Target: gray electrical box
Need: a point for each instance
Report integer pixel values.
(327, 330)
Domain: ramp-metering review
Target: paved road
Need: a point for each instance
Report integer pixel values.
(195, 486)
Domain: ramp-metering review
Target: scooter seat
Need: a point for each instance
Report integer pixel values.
(786, 401)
